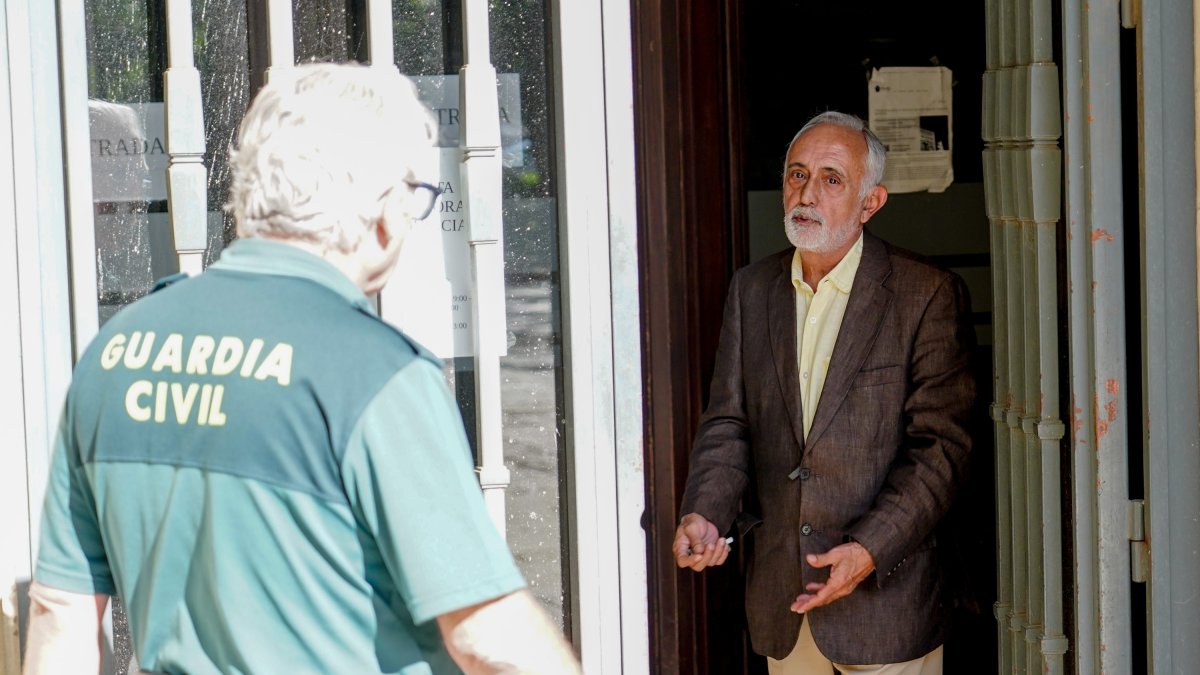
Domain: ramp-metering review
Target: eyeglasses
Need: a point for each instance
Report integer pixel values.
(424, 197)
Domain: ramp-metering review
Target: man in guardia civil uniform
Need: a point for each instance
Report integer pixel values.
(269, 477)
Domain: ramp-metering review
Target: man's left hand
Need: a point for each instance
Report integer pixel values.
(848, 565)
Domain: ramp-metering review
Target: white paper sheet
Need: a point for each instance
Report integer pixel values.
(429, 295)
(910, 110)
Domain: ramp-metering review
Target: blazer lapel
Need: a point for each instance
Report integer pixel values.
(781, 318)
(868, 303)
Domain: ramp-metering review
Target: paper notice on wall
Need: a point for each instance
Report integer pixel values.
(910, 110)
(429, 295)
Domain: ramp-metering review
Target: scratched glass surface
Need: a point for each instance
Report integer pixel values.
(126, 57)
(126, 47)
(324, 31)
(428, 43)
(532, 381)
(420, 37)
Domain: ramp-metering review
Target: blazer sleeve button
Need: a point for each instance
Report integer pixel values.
(806, 529)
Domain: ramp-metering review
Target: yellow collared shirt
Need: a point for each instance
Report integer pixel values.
(818, 320)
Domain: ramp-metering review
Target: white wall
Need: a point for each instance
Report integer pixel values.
(35, 291)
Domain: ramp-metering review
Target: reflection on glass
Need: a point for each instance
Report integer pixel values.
(221, 57)
(325, 31)
(428, 46)
(126, 58)
(126, 47)
(532, 385)
(134, 244)
(125, 64)
(419, 43)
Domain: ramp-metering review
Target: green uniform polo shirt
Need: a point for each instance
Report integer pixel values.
(271, 478)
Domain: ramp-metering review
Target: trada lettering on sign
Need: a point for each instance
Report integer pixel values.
(446, 116)
(128, 151)
(107, 147)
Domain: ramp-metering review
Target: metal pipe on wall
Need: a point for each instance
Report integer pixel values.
(994, 189)
(1021, 131)
(1080, 348)
(1170, 351)
(1014, 412)
(998, 409)
(1091, 90)
(1033, 459)
(1027, 356)
(1050, 429)
(1045, 129)
(1008, 115)
(1106, 234)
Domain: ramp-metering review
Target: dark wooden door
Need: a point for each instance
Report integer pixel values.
(692, 229)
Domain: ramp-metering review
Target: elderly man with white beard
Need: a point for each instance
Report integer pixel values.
(837, 423)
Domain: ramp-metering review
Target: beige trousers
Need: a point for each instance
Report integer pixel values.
(806, 659)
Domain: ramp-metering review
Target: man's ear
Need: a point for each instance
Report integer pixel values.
(388, 233)
(393, 223)
(874, 201)
(382, 236)
(381, 257)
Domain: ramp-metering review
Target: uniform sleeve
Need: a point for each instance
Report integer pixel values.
(409, 476)
(71, 553)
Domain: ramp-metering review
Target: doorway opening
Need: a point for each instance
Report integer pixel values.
(724, 90)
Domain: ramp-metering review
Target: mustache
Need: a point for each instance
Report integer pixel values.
(806, 212)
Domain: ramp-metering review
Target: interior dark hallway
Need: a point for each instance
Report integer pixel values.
(722, 89)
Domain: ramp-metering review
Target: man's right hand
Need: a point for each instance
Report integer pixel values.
(698, 544)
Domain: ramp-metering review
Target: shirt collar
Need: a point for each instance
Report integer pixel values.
(263, 256)
(840, 277)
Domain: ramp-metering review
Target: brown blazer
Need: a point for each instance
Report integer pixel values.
(886, 452)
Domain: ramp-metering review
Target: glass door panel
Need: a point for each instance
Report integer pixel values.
(126, 47)
(428, 47)
(126, 59)
(532, 385)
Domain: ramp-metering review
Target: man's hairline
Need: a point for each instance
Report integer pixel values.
(863, 192)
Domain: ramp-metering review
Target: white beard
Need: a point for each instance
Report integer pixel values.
(816, 237)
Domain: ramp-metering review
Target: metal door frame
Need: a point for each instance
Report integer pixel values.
(1171, 383)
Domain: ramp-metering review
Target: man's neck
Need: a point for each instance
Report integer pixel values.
(815, 264)
(346, 263)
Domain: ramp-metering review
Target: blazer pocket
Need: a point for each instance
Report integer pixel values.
(877, 376)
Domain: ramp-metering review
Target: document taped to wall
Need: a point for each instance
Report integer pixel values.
(910, 110)
(430, 295)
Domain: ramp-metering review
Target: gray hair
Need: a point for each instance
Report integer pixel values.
(876, 160)
(320, 147)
